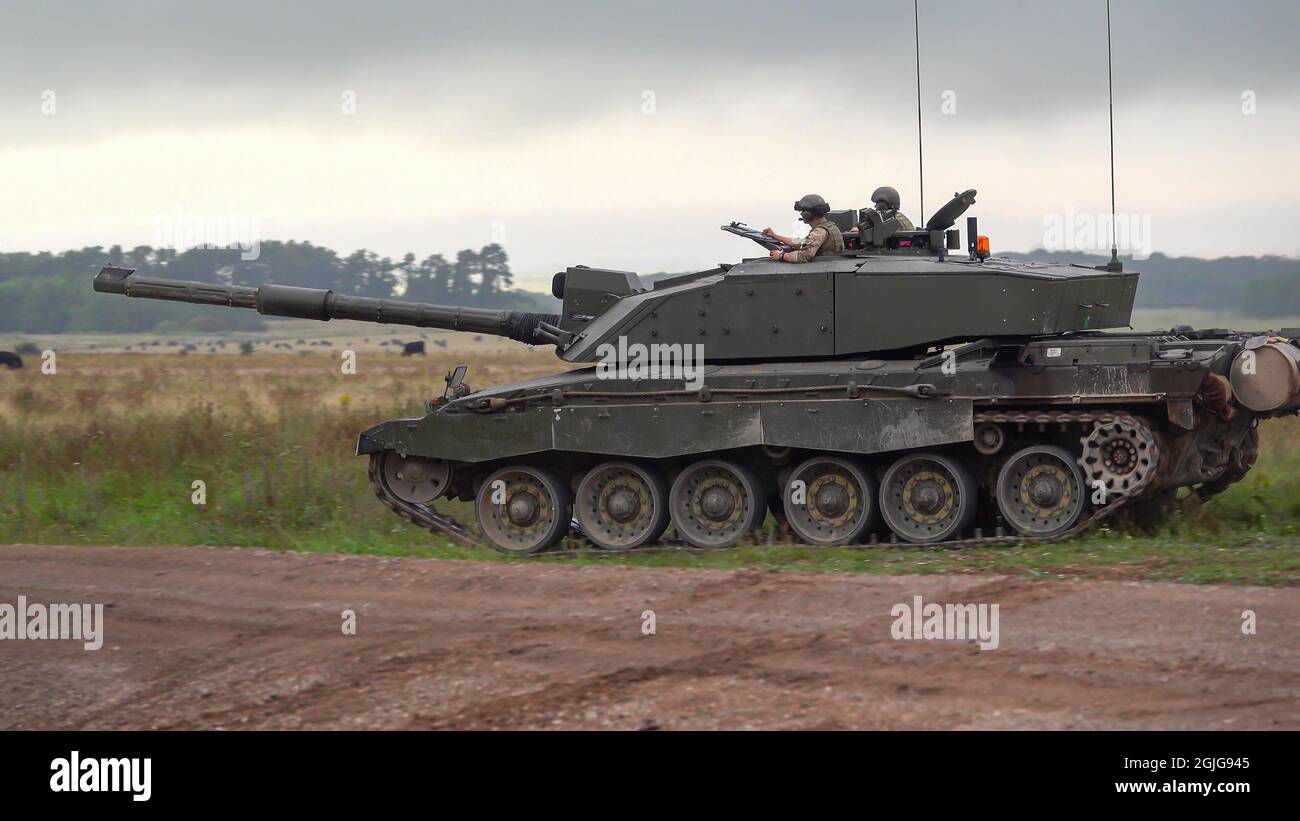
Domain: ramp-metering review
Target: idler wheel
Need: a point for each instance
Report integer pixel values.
(715, 502)
(523, 509)
(1041, 490)
(622, 505)
(416, 479)
(928, 498)
(829, 501)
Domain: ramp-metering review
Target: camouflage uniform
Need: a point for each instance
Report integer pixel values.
(889, 196)
(823, 240)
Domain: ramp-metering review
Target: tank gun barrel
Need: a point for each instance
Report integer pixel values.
(321, 304)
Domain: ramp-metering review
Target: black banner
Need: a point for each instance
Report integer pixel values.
(148, 770)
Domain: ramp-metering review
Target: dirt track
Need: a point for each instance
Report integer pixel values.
(207, 637)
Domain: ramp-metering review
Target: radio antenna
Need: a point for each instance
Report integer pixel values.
(920, 150)
(1114, 264)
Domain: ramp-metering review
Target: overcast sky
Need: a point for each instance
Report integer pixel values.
(622, 134)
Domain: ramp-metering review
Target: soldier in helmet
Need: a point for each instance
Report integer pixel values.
(824, 237)
(887, 202)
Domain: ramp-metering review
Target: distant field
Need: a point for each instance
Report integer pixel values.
(286, 331)
(289, 331)
(1165, 318)
(105, 451)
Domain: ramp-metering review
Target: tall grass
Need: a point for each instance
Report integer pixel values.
(1269, 497)
(108, 449)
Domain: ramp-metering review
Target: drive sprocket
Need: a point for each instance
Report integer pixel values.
(1121, 455)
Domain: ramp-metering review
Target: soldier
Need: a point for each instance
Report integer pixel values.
(824, 237)
(887, 202)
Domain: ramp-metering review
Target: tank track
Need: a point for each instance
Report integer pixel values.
(421, 515)
(447, 526)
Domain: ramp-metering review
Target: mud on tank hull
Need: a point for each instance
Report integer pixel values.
(1034, 438)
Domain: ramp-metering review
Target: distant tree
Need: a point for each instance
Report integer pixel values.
(49, 293)
(1185, 282)
(365, 273)
(430, 281)
(407, 270)
(462, 276)
(441, 276)
(495, 272)
(1274, 296)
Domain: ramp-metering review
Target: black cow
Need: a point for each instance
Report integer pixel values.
(12, 360)
(412, 348)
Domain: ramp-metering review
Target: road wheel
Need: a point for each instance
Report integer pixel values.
(715, 502)
(928, 498)
(621, 505)
(523, 509)
(1041, 491)
(829, 501)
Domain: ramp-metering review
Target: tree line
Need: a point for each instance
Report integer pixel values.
(51, 293)
(1267, 286)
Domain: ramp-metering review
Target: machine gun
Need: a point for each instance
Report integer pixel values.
(740, 229)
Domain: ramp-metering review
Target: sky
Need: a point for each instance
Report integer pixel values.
(623, 134)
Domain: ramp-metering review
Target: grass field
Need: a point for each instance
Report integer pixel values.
(107, 450)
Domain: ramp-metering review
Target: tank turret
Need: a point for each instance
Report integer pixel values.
(890, 291)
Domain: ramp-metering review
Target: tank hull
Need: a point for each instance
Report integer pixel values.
(1140, 415)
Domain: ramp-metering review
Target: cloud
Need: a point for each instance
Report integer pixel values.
(494, 66)
(534, 114)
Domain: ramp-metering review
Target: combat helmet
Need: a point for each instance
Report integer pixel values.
(888, 195)
(812, 203)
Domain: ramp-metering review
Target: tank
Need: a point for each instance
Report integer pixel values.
(912, 389)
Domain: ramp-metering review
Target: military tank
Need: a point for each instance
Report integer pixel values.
(912, 389)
